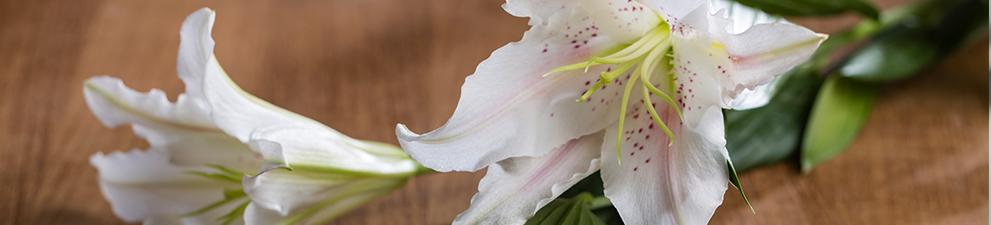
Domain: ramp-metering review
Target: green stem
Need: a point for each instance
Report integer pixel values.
(423, 170)
(599, 202)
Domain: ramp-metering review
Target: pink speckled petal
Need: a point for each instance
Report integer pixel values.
(507, 109)
(623, 20)
(673, 10)
(658, 183)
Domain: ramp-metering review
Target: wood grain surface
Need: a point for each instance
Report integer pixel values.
(363, 66)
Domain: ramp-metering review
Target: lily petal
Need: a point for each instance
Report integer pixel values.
(664, 181)
(623, 20)
(115, 104)
(743, 60)
(658, 183)
(743, 18)
(293, 140)
(515, 188)
(310, 196)
(538, 11)
(280, 135)
(319, 150)
(183, 128)
(240, 114)
(257, 215)
(754, 98)
(507, 109)
(205, 79)
(673, 10)
(196, 50)
(131, 180)
(320, 214)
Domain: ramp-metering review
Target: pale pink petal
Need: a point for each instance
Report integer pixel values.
(744, 60)
(507, 109)
(515, 188)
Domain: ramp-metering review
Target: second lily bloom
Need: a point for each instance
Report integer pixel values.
(219, 155)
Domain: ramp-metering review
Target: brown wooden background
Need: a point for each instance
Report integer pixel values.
(363, 66)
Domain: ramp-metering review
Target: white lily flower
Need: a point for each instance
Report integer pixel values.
(219, 154)
(651, 78)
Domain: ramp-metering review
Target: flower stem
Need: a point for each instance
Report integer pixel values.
(422, 170)
(599, 202)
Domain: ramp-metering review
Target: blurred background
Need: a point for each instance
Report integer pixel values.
(363, 66)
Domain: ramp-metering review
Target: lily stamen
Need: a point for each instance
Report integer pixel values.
(622, 115)
(653, 38)
(647, 76)
(606, 78)
(645, 55)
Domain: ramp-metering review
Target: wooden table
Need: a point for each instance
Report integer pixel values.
(363, 66)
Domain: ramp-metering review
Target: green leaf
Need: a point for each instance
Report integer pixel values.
(813, 7)
(600, 206)
(842, 107)
(567, 211)
(914, 37)
(891, 58)
(771, 133)
(592, 184)
(735, 180)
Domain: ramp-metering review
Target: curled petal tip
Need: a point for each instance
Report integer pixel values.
(822, 37)
(202, 12)
(207, 10)
(404, 134)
